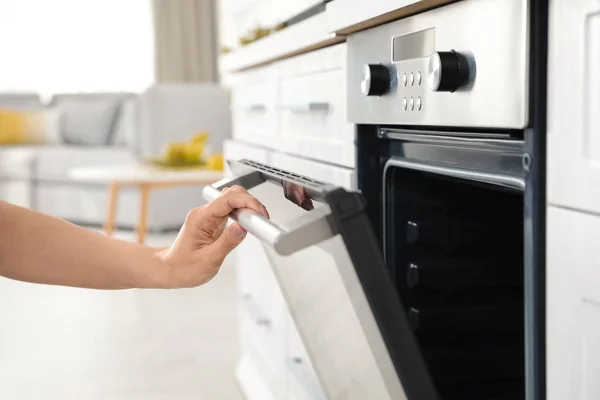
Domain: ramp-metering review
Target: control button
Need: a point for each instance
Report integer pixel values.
(447, 71)
(419, 78)
(412, 79)
(404, 79)
(419, 103)
(412, 103)
(376, 80)
(404, 104)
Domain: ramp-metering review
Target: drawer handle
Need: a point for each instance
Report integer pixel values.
(309, 229)
(255, 311)
(306, 107)
(299, 370)
(253, 108)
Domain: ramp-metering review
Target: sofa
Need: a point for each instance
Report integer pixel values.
(101, 129)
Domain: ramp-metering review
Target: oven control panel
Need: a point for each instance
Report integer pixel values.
(461, 65)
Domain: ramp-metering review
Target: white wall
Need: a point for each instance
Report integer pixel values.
(74, 45)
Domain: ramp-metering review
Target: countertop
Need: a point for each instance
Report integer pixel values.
(348, 16)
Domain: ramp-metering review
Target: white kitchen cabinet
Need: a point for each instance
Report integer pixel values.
(297, 106)
(253, 102)
(573, 305)
(312, 107)
(302, 381)
(574, 105)
(262, 310)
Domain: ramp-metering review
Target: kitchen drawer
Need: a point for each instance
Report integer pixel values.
(264, 330)
(253, 106)
(312, 107)
(302, 381)
(333, 174)
(254, 276)
(271, 374)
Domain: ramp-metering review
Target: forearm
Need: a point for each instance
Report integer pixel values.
(39, 248)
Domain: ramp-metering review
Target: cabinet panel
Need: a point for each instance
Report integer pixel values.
(312, 107)
(573, 305)
(574, 105)
(302, 381)
(253, 106)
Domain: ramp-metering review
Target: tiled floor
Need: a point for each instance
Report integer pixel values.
(63, 344)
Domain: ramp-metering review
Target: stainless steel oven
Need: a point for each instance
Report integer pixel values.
(450, 212)
(422, 285)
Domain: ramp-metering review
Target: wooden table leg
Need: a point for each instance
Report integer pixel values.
(143, 217)
(113, 197)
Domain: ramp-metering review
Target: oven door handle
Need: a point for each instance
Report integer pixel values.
(504, 180)
(307, 230)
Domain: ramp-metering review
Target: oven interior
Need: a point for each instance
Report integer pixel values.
(455, 251)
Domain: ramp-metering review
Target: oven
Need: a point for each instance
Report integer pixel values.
(425, 283)
(450, 212)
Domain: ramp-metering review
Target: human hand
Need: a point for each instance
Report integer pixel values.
(203, 242)
(298, 195)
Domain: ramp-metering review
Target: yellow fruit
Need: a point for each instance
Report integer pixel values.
(193, 153)
(175, 153)
(216, 162)
(200, 138)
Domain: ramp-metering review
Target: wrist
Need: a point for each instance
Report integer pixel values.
(152, 269)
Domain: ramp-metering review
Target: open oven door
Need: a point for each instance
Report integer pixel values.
(331, 271)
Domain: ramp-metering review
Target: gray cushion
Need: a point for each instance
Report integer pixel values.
(88, 121)
(20, 101)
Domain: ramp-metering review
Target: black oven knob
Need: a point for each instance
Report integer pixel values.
(447, 71)
(376, 81)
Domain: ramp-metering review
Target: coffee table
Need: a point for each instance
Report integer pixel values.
(146, 178)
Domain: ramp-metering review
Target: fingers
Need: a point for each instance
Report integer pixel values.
(294, 193)
(297, 194)
(219, 228)
(307, 204)
(232, 199)
(229, 240)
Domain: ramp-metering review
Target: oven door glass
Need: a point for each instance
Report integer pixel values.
(330, 269)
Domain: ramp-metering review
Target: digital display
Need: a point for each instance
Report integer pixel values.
(414, 45)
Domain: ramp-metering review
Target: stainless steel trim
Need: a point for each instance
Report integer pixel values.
(496, 95)
(306, 107)
(307, 230)
(497, 179)
(455, 138)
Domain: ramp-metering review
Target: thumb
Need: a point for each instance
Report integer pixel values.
(229, 240)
